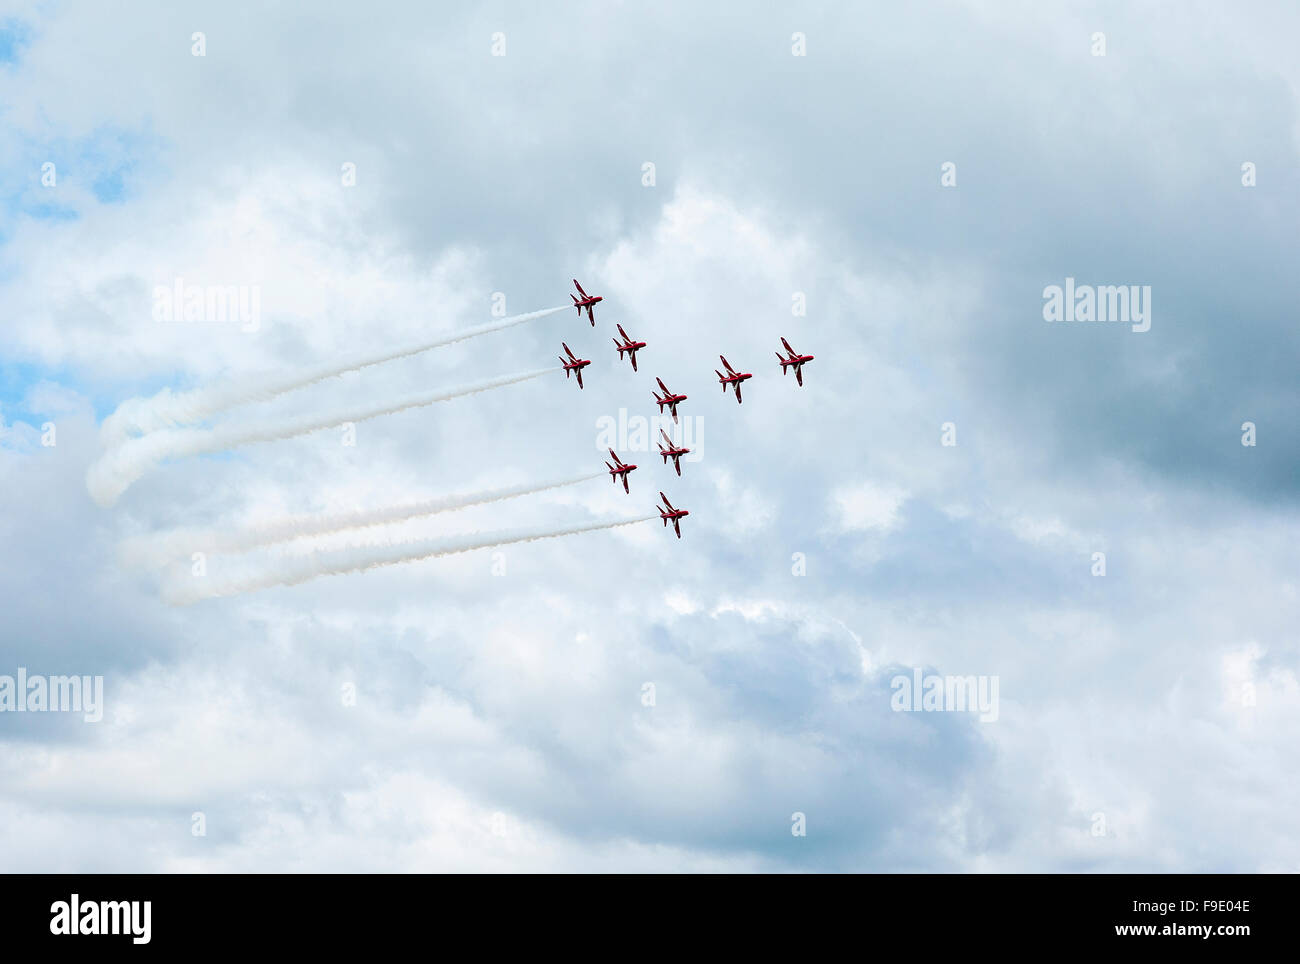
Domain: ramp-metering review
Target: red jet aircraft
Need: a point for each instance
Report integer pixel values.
(586, 302)
(732, 378)
(628, 345)
(668, 399)
(617, 469)
(574, 365)
(675, 515)
(670, 451)
(795, 359)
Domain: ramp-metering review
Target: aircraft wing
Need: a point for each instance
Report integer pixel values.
(798, 374)
(788, 348)
(579, 287)
(578, 372)
(727, 365)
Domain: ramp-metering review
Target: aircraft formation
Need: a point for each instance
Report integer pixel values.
(731, 379)
(143, 433)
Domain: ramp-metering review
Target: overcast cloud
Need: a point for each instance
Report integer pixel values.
(1146, 717)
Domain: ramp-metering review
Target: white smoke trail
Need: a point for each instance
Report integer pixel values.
(156, 551)
(114, 471)
(139, 416)
(291, 572)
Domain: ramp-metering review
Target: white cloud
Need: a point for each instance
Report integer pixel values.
(868, 506)
(499, 723)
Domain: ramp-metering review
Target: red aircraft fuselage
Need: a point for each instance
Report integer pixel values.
(574, 365)
(732, 379)
(670, 451)
(668, 398)
(793, 359)
(586, 301)
(628, 345)
(669, 514)
(619, 469)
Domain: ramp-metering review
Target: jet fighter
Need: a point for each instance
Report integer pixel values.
(668, 399)
(732, 379)
(574, 365)
(628, 345)
(795, 359)
(670, 451)
(617, 469)
(585, 302)
(668, 513)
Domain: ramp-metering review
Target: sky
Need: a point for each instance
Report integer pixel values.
(1096, 520)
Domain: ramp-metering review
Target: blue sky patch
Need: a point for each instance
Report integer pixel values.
(14, 37)
(110, 163)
